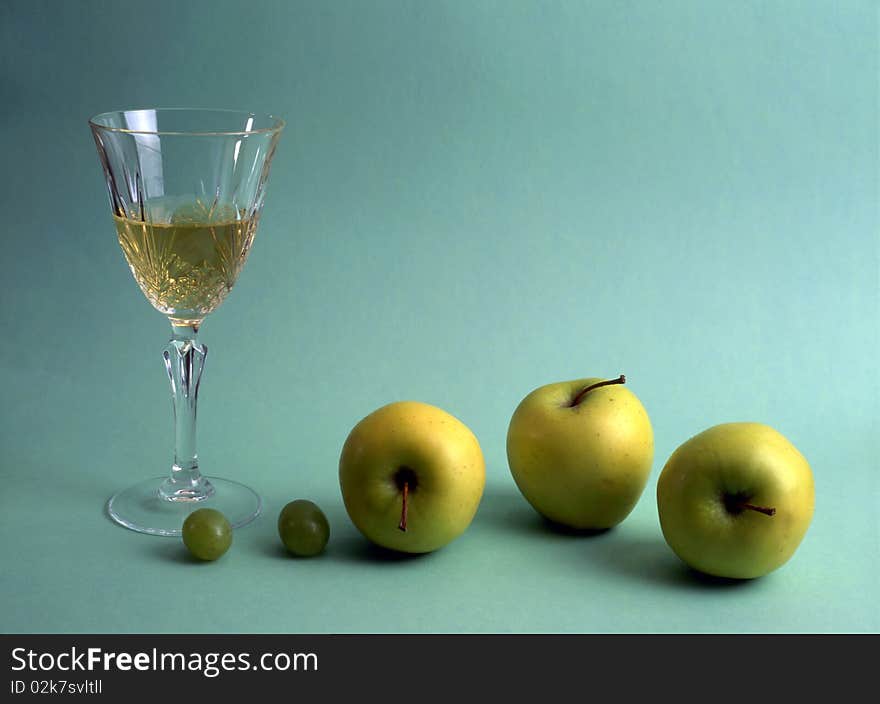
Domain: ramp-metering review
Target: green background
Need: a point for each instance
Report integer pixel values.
(471, 199)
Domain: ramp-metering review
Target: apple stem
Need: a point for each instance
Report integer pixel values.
(402, 525)
(580, 397)
(760, 509)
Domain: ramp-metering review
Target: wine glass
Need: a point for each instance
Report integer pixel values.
(186, 190)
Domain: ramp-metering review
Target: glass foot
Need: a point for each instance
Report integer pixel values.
(142, 508)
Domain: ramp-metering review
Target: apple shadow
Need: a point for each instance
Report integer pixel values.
(649, 558)
(640, 557)
(507, 510)
(356, 548)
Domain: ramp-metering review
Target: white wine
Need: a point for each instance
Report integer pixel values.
(187, 266)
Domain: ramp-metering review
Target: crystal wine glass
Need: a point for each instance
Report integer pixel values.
(186, 189)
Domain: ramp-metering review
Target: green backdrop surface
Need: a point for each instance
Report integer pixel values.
(471, 199)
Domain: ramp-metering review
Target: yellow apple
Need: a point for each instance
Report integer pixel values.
(412, 476)
(736, 500)
(581, 451)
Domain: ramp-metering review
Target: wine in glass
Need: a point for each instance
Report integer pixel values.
(186, 190)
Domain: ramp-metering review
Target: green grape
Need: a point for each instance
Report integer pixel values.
(303, 528)
(207, 534)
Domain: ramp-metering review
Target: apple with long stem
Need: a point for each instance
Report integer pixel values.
(581, 451)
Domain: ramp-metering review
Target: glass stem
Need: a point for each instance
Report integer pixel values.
(184, 361)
